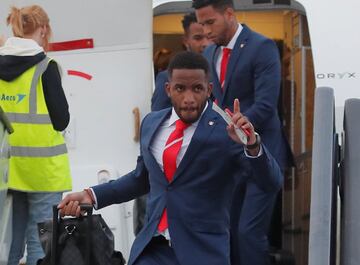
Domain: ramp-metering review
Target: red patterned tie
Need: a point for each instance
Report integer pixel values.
(223, 66)
(171, 151)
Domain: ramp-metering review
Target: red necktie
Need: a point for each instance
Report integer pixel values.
(223, 66)
(171, 151)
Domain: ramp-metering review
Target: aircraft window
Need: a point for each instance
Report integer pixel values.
(282, 2)
(262, 1)
(275, 2)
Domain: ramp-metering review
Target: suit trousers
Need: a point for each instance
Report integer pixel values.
(157, 253)
(249, 225)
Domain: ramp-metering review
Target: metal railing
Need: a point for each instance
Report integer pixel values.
(322, 245)
(350, 185)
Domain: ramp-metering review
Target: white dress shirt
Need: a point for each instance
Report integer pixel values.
(230, 45)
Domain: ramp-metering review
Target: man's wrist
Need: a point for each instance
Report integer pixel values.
(91, 195)
(255, 146)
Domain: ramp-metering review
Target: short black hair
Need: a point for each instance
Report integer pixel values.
(216, 4)
(188, 19)
(188, 60)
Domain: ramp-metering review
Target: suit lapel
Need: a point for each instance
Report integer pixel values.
(150, 137)
(216, 83)
(204, 129)
(234, 58)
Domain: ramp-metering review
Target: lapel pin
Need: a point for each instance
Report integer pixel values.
(242, 45)
(211, 123)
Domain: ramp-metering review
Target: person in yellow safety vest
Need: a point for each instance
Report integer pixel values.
(33, 99)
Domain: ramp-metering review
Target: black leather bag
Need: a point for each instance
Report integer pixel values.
(86, 240)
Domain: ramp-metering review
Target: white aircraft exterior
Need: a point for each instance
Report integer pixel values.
(106, 106)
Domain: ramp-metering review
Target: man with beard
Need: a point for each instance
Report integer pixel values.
(193, 40)
(189, 195)
(246, 65)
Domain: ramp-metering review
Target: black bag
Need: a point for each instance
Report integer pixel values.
(86, 240)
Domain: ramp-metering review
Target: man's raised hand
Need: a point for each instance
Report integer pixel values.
(240, 121)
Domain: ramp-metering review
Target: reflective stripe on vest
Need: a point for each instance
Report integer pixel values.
(40, 69)
(38, 151)
(29, 118)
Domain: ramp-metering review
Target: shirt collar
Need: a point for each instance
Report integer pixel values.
(174, 117)
(232, 42)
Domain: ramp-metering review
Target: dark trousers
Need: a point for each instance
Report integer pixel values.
(250, 219)
(157, 252)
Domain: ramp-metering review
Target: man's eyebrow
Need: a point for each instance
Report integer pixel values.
(208, 20)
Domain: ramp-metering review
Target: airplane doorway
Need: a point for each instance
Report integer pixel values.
(287, 25)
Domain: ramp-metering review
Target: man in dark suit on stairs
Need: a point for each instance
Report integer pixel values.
(189, 165)
(246, 65)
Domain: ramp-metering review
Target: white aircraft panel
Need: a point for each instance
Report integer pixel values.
(110, 22)
(335, 43)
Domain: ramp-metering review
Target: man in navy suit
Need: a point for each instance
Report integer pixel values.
(197, 198)
(194, 40)
(246, 65)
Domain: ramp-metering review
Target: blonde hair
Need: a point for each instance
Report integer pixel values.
(27, 20)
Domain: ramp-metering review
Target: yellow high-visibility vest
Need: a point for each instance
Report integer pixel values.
(39, 161)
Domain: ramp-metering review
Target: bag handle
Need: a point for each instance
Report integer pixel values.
(88, 208)
(54, 236)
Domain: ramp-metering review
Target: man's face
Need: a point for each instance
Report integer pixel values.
(195, 39)
(189, 90)
(216, 23)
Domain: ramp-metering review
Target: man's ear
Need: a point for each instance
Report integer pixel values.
(229, 13)
(167, 88)
(210, 87)
(185, 42)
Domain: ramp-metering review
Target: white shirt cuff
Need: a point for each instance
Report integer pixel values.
(95, 199)
(250, 156)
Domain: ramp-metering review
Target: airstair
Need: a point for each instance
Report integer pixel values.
(5, 200)
(335, 195)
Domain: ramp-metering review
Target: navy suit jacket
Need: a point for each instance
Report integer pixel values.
(253, 76)
(198, 199)
(160, 100)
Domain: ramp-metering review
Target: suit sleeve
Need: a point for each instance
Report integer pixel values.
(125, 188)
(267, 78)
(160, 99)
(264, 170)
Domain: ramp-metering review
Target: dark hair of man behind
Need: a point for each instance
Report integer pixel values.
(188, 60)
(216, 4)
(188, 20)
